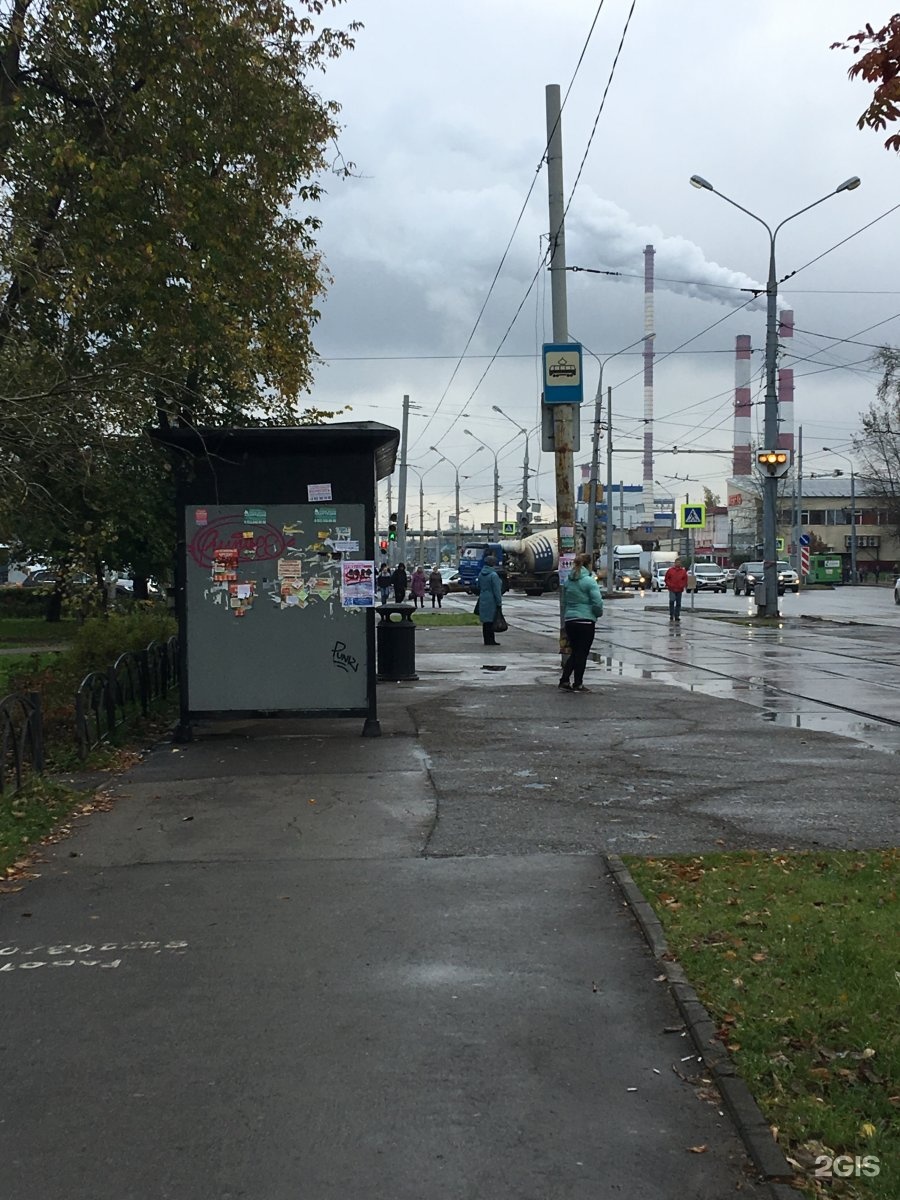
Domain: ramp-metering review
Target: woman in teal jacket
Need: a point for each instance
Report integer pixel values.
(490, 593)
(583, 605)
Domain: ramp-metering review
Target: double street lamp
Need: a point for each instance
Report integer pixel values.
(590, 530)
(854, 578)
(456, 472)
(524, 508)
(770, 481)
(496, 476)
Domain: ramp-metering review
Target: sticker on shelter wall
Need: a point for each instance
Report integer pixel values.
(325, 516)
(343, 533)
(255, 516)
(318, 491)
(348, 546)
(201, 516)
(358, 584)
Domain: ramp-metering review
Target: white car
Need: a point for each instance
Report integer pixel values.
(708, 577)
(658, 580)
(897, 591)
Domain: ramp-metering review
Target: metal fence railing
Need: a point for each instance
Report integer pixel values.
(106, 699)
(21, 738)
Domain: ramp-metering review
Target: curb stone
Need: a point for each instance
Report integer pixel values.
(736, 1096)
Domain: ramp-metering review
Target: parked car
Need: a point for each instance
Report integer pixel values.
(49, 577)
(897, 591)
(708, 577)
(730, 573)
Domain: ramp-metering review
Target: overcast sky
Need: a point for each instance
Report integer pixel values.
(444, 117)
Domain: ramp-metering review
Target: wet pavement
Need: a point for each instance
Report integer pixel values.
(294, 961)
(818, 671)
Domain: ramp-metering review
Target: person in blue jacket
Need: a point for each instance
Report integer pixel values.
(490, 593)
(583, 604)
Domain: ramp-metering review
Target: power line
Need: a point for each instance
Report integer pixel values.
(511, 238)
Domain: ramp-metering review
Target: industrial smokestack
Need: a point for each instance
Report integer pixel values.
(649, 335)
(786, 389)
(742, 373)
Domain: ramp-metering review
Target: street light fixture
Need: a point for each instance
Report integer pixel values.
(854, 577)
(496, 475)
(524, 510)
(590, 530)
(456, 471)
(770, 481)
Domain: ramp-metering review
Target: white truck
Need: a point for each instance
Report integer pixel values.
(654, 561)
(627, 567)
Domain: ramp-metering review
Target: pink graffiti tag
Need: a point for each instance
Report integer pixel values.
(227, 533)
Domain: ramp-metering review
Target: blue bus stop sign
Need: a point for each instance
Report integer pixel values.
(563, 380)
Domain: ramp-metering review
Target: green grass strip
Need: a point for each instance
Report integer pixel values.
(795, 957)
(29, 815)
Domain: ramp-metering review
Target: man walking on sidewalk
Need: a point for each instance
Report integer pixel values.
(676, 581)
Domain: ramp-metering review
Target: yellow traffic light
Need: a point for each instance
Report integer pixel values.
(774, 462)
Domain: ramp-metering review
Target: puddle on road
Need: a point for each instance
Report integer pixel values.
(775, 707)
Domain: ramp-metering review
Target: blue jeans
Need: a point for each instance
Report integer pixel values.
(675, 606)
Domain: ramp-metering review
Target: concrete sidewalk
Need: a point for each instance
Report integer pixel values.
(295, 962)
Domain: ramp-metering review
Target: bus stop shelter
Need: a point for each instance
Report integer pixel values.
(275, 569)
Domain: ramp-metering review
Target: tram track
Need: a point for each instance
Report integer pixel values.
(755, 687)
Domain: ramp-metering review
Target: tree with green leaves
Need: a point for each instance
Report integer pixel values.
(159, 164)
(878, 445)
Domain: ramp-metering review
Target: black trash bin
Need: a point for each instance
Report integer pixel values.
(395, 639)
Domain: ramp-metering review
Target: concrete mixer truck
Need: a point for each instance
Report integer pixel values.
(529, 565)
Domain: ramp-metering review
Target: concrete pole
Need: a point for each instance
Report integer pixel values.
(590, 535)
(563, 414)
(456, 469)
(854, 578)
(609, 479)
(421, 521)
(401, 503)
(798, 511)
(770, 435)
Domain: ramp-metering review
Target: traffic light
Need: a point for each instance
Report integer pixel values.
(774, 462)
(383, 544)
(392, 528)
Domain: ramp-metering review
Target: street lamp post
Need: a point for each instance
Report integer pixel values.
(770, 481)
(496, 476)
(524, 509)
(854, 577)
(590, 529)
(456, 472)
(418, 471)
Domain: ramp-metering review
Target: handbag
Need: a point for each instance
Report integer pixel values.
(500, 622)
(475, 609)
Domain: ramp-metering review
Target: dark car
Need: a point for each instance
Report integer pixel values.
(749, 574)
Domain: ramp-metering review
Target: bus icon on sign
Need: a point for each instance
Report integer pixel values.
(561, 369)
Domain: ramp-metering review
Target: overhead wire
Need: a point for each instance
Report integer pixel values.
(509, 243)
(571, 194)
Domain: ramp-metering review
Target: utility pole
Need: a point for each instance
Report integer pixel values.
(401, 503)
(609, 500)
(798, 508)
(563, 414)
(390, 550)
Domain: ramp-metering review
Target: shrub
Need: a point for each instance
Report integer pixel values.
(96, 646)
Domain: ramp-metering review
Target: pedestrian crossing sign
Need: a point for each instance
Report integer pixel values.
(693, 516)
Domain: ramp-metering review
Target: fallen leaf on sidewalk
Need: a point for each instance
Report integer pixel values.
(697, 1149)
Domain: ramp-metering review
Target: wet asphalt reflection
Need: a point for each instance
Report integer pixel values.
(833, 665)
